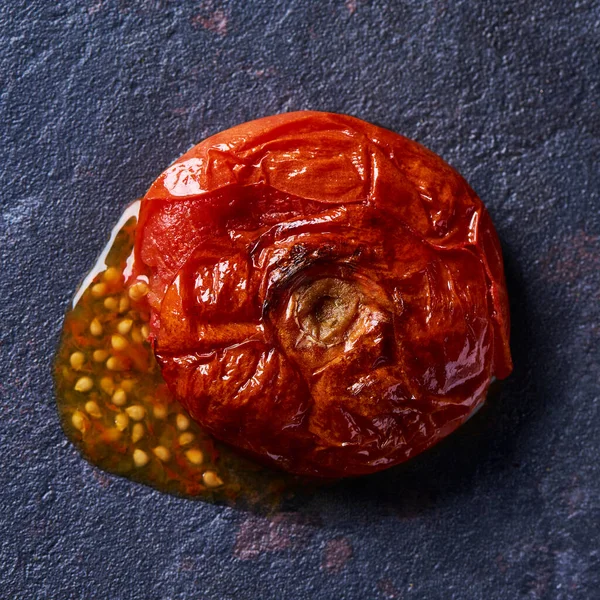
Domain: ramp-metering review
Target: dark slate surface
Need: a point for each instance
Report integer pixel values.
(97, 97)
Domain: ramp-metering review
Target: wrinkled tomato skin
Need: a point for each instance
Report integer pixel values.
(326, 295)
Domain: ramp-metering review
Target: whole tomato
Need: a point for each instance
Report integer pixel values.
(326, 295)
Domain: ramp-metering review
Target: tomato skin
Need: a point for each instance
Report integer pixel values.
(326, 295)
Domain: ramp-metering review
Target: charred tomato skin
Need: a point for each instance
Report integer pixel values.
(326, 295)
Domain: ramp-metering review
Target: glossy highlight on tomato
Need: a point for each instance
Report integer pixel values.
(326, 295)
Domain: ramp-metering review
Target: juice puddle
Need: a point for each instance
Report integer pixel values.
(116, 408)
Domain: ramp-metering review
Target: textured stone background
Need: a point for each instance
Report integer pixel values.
(98, 96)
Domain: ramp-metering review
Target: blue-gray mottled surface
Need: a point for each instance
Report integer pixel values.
(97, 97)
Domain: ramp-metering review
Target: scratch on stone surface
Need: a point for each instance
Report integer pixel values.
(259, 535)
(336, 555)
(211, 18)
(576, 501)
(287, 13)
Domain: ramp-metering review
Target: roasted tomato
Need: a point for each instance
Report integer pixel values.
(326, 295)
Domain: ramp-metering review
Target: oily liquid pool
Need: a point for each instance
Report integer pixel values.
(116, 408)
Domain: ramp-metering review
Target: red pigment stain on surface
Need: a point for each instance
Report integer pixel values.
(101, 477)
(572, 259)
(94, 8)
(260, 73)
(258, 535)
(575, 498)
(188, 564)
(211, 18)
(387, 588)
(501, 563)
(336, 554)
(351, 5)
